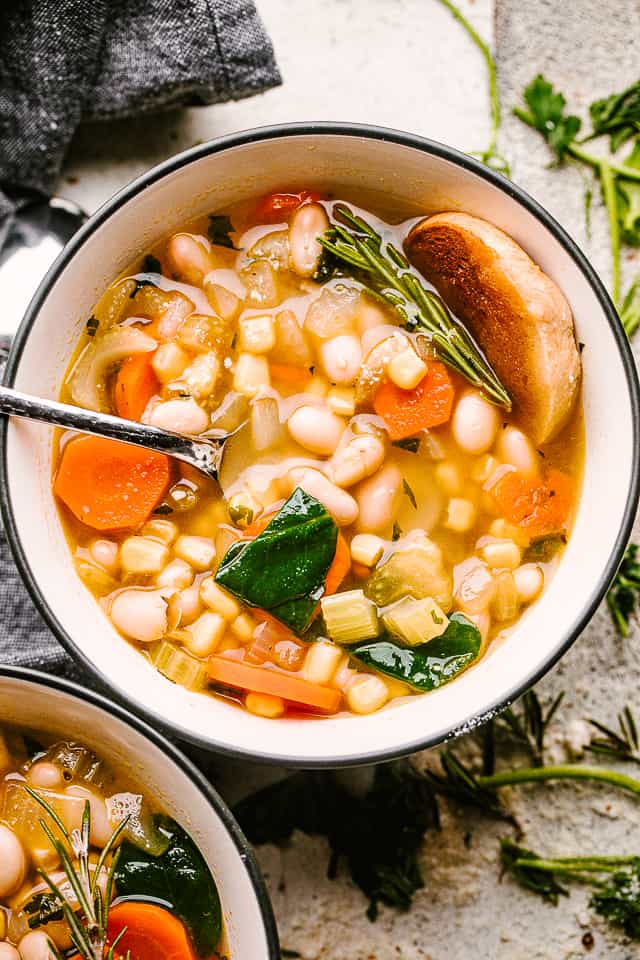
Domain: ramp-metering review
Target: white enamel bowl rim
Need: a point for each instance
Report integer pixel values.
(356, 748)
(244, 851)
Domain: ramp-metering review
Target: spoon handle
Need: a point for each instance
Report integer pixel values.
(204, 454)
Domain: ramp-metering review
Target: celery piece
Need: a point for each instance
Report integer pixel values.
(25, 815)
(415, 621)
(77, 762)
(350, 617)
(179, 666)
(414, 571)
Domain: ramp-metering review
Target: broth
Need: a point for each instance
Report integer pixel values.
(434, 540)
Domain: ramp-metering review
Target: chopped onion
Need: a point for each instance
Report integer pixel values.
(266, 429)
(88, 380)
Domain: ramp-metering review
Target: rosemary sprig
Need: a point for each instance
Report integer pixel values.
(623, 596)
(394, 279)
(623, 744)
(458, 783)
(528, 722)
(87, 920)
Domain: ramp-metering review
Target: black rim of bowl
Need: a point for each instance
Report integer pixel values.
(362, 131)
(242, 845)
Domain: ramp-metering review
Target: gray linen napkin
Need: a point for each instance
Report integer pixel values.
(64, 61)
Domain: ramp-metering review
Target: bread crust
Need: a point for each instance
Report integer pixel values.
(518, 315)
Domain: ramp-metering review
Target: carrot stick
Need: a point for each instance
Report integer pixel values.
(110, 485)
(152, 933)
(539, 507)
(136, 383)
(339, 568)
(278, 207)
(232, 673)
(406, 412)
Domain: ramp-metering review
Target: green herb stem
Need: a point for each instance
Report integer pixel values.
(569, 865)
(619, 169)
(506, 778)
(611, 202)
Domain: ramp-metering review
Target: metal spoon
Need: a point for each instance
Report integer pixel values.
(203, 452)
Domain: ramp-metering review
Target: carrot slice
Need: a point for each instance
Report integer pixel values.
(136, 383)
(339, 568)
(110, 485)
(278, 207)
(406, 412)
(286, 373)
(232, 673)
(539, 507)
(152, 933)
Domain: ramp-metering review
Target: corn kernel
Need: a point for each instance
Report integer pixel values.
(169, 362)
(257, 334)
(367, 693)
(501, 554)
(141, 555)
(366, 549)
(205, 634)
(200, 552)
(243, 627)
(218, 599)
(529, 580)
(449, 478)
(406, 369)
(163, 530)
(504, 530)
(251, 374)
(461, 515)
(342, 400)
(176, 574)
(506, 601)
(264, 705)
(321, 661)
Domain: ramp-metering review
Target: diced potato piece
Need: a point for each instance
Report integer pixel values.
(225, 302)
(261, 284)
(415, 621)
(264, 705)
(500, 554)
(169, 362)
(142, 555)
(201, 333)
(257, 334)
(333, 312)
(366, 549)
(321, 661)
(218, 599)
(291, 345)
(243, 627)
(350, 616)
(251, 374)
(367, 693)
(474, 586)
(266, 429)
(342, 400)
(201, 377)
(200, 552)
(406, 369)
(205, 633)
(163, 530)
(461, 515)
(417, 571)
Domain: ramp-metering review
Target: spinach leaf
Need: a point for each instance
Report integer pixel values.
(179, 877)
(411, 444)
(283, 570)
(219, 231)
(41, 909)
(544, 549)
(429, 665)
(151, 264)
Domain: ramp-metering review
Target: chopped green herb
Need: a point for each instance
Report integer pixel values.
(546, 114)
(528, 722)
(41, 909)
(151, 264)
(428, 665)
(622, 598)
(544, 549)
(92, 326)
(397, 532)
(622, 744)
(617, 115)
(398, 810)
(163, 509)
(412, 444)
(219, 231)
(410, 494)
(518, 861)
(283, 570)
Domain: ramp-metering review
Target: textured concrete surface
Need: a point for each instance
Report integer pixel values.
(405, 63)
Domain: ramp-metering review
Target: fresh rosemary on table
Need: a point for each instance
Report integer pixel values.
(353, 241)
(624, 594)
(88, 919)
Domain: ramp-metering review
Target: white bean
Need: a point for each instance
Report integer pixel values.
(340, 504)
(140, 614)
(101, 826)
(316, 429)
(341, 358)
(359, 458)
(45, 774)
(515, 448)
(105, 554)
(181, 416)
(379, 499)
(190, 605)
(35, 946)
(189, 258)
(529, 580)
(178, 574)
(306, 225)
(8, 952)
(475, 423)
(13, 863)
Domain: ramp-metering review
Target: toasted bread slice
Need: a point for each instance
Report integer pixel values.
(517, 314)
